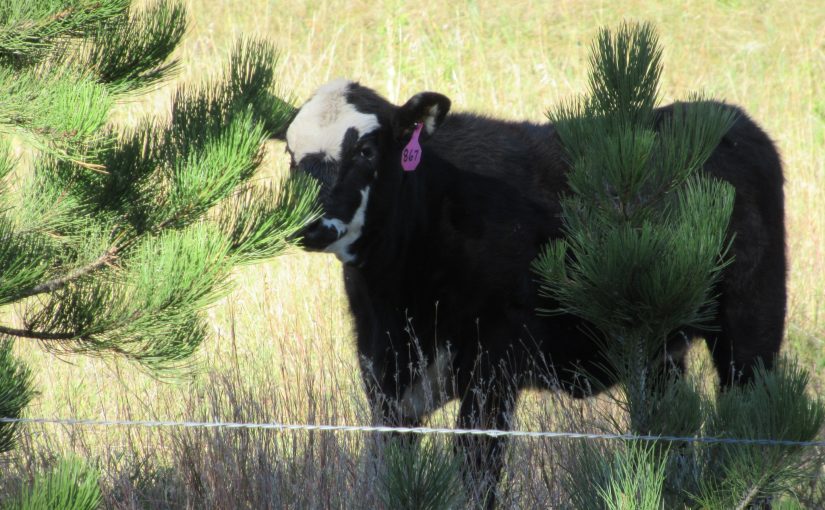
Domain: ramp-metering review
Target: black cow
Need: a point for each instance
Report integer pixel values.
(437, 259)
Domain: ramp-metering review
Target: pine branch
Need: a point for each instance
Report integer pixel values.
(58, 110)
(213, 143)
(149, 310)
(775, 404)
(58, 283)
(625, 71)
(748, 498)
(7, 162)
(132, 53)
(644, 241)
(205, 172)
(37, 335)
(15, 392)
(260, 222)
(24, 260)
(169, 189)
(70, 484)
(31, 29)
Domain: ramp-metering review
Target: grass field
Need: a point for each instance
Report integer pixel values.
(282, 343)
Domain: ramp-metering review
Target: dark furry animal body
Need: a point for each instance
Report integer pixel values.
(437, 260)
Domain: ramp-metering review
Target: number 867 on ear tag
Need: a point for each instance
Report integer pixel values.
(411, 155)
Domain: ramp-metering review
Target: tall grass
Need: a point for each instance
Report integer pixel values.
(263, 469)
(282, 347)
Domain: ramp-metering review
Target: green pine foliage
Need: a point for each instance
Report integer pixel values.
(15, 393)
(607, 478)
(133, 51)
(775, 405)
(61, 111)
(114, 241)
(64, 63)
(258, 220)
(645, 232)
(70, 485)
(645, 243)
(30, 31)
(421, 476)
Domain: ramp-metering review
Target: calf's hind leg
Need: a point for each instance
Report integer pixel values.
(751, 317)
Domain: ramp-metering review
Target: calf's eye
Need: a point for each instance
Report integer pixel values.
(366, 152)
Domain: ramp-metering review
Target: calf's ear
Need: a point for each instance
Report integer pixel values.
(427, 108)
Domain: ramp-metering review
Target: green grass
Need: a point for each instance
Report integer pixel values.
(286, 324)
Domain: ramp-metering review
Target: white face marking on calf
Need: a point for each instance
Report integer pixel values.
(351, 231)
(322, 122)
(428, 391)
(335, 223)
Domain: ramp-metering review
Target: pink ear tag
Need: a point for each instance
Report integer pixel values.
(411, 155)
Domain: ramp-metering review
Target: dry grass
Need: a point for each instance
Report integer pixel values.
(285, 329)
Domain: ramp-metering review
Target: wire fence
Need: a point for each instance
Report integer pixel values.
(287, 427)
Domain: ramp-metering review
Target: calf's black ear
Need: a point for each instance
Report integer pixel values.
(427, 108)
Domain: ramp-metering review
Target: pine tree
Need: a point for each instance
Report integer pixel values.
(113, 241)
(645, 245)
(645, 231)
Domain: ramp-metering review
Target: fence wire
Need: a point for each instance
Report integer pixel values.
(289, 427)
